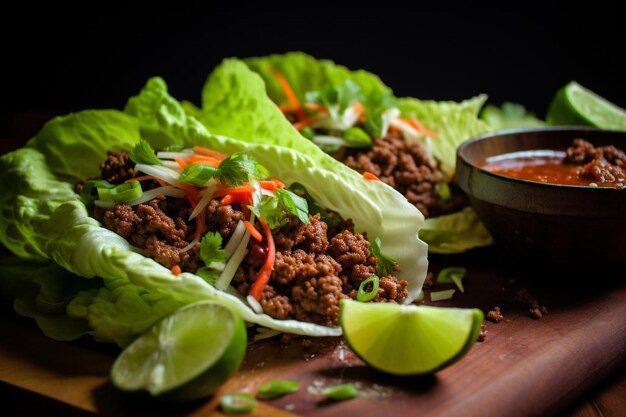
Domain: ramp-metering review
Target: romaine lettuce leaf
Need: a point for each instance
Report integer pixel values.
(509, 115)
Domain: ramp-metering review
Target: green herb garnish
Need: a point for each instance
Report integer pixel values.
(341, 392)
(277, 388)
(237, 403)
(143, 153)
(363, 294)
(385, 264)
(234, 170)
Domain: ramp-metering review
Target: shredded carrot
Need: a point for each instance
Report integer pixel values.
(209, 152)
(284, 108)
(200, 225)
(291, 96)
(415, 124)
(181, 163)
(358, 107)
(264, 276)
(204, 160)
(369, 176)
(228, 199)
(316, 107)
(304, 123)
(271, 185)
(176, 270)
(246, 188)
(253, 231)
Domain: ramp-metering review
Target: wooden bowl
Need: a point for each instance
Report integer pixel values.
(554, 224)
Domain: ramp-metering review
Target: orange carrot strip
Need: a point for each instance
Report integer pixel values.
(414, 123)
(369, 176)
(320, 108)
(181, 163)
(291, 96)
(271, 185)
(304, 123)
(176, 270)
(200, 225)
(284, 108)
(253, 231)
(209, 152)
(246, 188)
(358, 107)
(204, 160)
(264, 276)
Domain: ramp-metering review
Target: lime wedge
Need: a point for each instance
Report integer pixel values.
(408, 339)
(575, 105)
(186, 355)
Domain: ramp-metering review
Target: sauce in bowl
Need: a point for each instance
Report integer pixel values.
(581, 164)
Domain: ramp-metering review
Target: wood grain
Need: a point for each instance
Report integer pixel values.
(524, 368)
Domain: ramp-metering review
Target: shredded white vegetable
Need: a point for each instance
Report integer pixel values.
(268, 193)
(171, 155)
(324, 140)
(146, 196)
(235, 239)
(254, 304)
(233, 263)
(172, 165)
(191, 245)
(166, 174)
(207, 195)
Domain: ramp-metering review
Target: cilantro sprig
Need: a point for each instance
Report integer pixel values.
(234, 170)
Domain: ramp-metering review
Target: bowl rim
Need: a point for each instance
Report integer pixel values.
(531, 130)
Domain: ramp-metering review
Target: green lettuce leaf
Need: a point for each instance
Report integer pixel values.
(509, 115)
(454, 233)
(453, 122)
(42, 292)
(56, 224)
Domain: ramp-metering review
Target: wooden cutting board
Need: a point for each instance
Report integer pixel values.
(525, 367)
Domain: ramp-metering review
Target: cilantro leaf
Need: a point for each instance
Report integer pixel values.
(331, 219)
(234, 170)
(211, 249)
(293, 204)
(378, 103)
(275, 211)
(336, 98)
(385, 264)
(143, 153)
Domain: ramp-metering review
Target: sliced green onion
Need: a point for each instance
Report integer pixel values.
(454, 274)
(442, 295)
(357, 138)
(443, 191)
(341, 392)
(307, 132)
(122, 193)
(198, 174)
(277, 388)
(237, 403)
(364, 295)
(88, 193)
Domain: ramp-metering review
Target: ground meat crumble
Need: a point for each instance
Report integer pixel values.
(406, 166)
(495, 315)
(602, 164)
(315, 266)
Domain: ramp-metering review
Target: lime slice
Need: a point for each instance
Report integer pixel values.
(185, 356)
(575, 105)
(407, 339)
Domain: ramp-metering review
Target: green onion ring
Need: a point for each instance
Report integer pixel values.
(341, 392)
(365, 296)
(237, 403)
(277, 388)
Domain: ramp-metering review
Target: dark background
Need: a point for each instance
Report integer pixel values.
(60, 59)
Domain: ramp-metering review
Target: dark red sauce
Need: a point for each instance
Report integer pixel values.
(581, 164)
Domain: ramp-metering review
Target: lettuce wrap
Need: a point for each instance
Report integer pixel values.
(321, 82)
(113, 291)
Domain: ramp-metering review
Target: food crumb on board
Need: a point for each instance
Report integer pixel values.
(483, 333)
(535, 311)
(495, 315)
(366, 390)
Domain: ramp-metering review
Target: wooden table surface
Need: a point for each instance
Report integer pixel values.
(570, 362)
